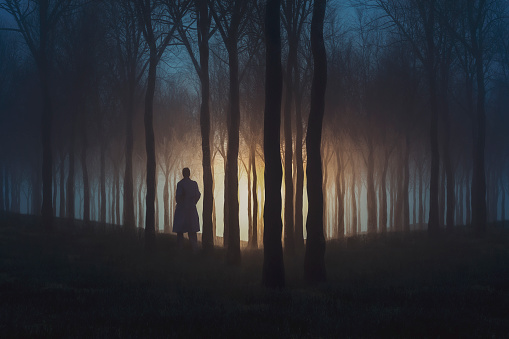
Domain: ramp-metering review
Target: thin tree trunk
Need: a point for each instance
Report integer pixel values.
(166, 201)
(421, 197)
(103, 183)
(406, 181)
(151, 152)
(353, 201)
(340, 198)
(254, 236)
(6, 190)
(84, 171)
(441, 198)
(208, 191)
(287, 131)
(370, 194)
(47, 116)
(70, 178)
(62, 199)
(128, 203)
(299, 183)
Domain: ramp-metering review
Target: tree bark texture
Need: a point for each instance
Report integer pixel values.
(273, 274)
(314, 262)
(208, 192)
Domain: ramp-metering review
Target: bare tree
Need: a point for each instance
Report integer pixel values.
(314, 262)
(46, 14)
(273, 265)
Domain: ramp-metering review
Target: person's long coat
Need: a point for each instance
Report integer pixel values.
(186, 216)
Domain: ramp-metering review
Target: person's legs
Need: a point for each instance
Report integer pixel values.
(194, 241)
(180, 239)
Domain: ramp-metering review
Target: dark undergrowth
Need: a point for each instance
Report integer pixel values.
(94, 281)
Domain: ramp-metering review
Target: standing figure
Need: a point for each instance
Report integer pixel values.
(186, 216)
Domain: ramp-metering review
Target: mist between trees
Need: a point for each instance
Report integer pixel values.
(415, 130)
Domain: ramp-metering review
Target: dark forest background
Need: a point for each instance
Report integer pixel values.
(103, 102)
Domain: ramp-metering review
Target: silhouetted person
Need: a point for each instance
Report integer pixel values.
(186, 216)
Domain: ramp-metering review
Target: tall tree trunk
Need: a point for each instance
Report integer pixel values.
(156, 203)
(249, 204)
(151, 152)
(479, 131)
(7, 194)
(287, 131)
(232, 155)
(468, 190)
(254, 235)
(166, 201)
(353, 202)
(55, 189)
(314, 262)
(340, 198)
(502, 210)
(414, 199)
(273, 274)
(441, 198)
(84, 171)
(449, 171)
(370, 194)
(62, 199)
(2, 185)
(47, 116)
(383, 189)
(208, 191)
(141, 223)
(70, 178)
(421, 198)
(128, 202)
(433, 220)
(103, 183)
(299, 183)
(117, 196)
(406, 182)
(461, 201)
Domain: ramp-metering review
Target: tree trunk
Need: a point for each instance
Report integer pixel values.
(70, 178)
(232, 155)
(406, 182)
(353, 201)
(128, 202)
(479, 137)
(103, 183)
(249, 205)
(314, 263)
(166, 202)
(273, 267)
(433, 221)
(441, 198)
(383, 189)
(208, 192)
(84, 170)
(371, 195)
(47, 116)
(287, 131)
(55, 189)
(421, 198)
(299, 184)
(2, 185)
(254, 235)
(340, 198)
(151, 152)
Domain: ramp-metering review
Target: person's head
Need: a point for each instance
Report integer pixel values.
(186, 172)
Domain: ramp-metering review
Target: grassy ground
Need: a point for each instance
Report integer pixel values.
(77, 282)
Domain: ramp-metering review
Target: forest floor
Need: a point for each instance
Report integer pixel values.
(100, 282)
